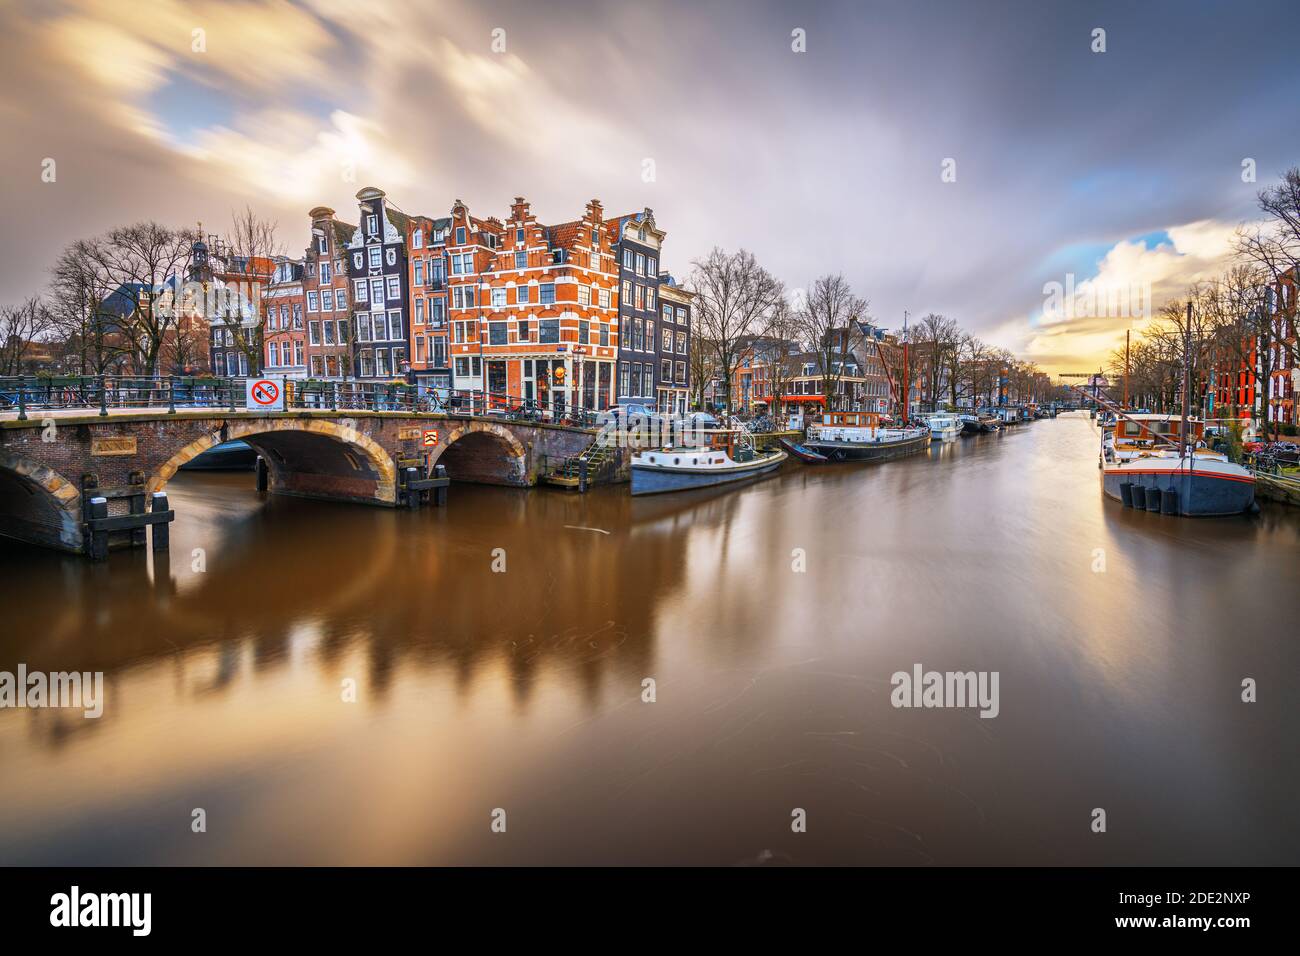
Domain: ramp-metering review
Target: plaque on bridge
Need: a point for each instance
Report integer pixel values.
(112, 446)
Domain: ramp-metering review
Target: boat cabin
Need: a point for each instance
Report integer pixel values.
(849, 420)
(1145, 430)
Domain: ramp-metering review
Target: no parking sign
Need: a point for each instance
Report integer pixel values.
(265, 394)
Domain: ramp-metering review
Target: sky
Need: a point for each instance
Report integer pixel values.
(955, 157)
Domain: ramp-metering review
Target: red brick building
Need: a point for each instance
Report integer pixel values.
(327, 312)
(430, 335)
(533, 308)
(284, 336)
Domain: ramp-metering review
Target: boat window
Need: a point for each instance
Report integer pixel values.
(677, 461)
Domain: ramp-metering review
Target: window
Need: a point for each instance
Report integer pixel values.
(521, 260)
(681, 343)
(394, 287)
(359, 290)
(419, 272)
(394, 325)
(650, 298)
(525, 330)
(602, 298)
(419, 312)
(313, 332)
(497, 333)
(219, 363)
(668, 313)
(462, 367)
(417, 239)
(623, 381)
(521, 294)
(519, 236)
(604, 334)
(377, 291)
(547, 293)
(419, 348)
(374, 253)
(312, 302)
(367, 363)
(325, 273)
(681, 372)
(297, 315)
(683, 317)
(372, 224)
(327, 301)
(498, 298)
(584, 295)
(437, 313)
(584, 332)
(340, 300)
(652, 266)
(460, 235)
(627, 293)
(322, 244)
(628, 263)
(274, 351)
(666, 370)
(437, 271)
(640, 297)
(363, 328)
(666, 341)
(549, 331)
(649, 335)
(343, 331)
(462, 297)
(328, 330)
(640, 264)
(440, 351)
(297, 353)
(317, 367)
(379, 323)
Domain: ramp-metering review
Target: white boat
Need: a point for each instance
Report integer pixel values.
(721, 456)
(945, 425)
(863, 436)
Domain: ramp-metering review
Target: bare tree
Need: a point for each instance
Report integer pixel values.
(141, 261)
(774, 352)
(736, 299)
(87, 330)
(21, 326)
(826, 322)
(937, 338)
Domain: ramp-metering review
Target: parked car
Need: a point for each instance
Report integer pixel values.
(624, 416)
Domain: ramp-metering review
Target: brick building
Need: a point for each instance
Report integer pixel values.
(284, 336)
(326, 283)
(533, 308)
(430, 354)
(673, 386)
(636, 242)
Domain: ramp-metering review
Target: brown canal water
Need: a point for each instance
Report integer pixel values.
(521, 690)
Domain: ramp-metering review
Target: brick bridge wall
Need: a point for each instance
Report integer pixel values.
(350, 456)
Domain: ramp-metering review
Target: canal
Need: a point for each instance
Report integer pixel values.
(335, 684)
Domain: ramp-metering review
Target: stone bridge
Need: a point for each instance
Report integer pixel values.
(46, 461)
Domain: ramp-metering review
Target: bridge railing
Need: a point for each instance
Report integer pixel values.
(26, 394)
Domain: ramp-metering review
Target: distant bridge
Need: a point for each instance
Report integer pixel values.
(123, 439)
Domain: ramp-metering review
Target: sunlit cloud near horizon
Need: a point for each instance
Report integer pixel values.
(1116, 168)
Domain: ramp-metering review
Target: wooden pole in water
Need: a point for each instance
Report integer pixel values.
(1187, 381)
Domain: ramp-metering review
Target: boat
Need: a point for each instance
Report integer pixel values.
(720, 456)
(1187, 485)
(1141, 434)
(802, 453)
(944, 425)
(863, 436)
(973, 424)
(228, 456)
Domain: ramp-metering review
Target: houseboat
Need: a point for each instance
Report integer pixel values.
(718, 456)
(862, 436)
(1145, 466)
(975, 424)
(944, 425)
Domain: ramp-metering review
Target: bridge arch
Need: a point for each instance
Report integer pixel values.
(484, 452)
(314, 457)
(38, 505)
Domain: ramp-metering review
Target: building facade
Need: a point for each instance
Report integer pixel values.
(533, 308)
(673, 385)
(284, 334)
(377, 267)
(327, 297)
(636, 243)
(430, 336)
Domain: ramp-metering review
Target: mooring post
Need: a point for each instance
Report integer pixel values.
(582, 475)
(161, 533)
(98, 537)
(412, 493)
(262, 480)
(440, 493)
(136, 504)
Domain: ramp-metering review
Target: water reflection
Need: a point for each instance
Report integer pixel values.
(522, 689)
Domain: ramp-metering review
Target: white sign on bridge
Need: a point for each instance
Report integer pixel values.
(265, 394)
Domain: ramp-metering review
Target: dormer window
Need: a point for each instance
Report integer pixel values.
(417, 239)
(322, 245)
(372, 225)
